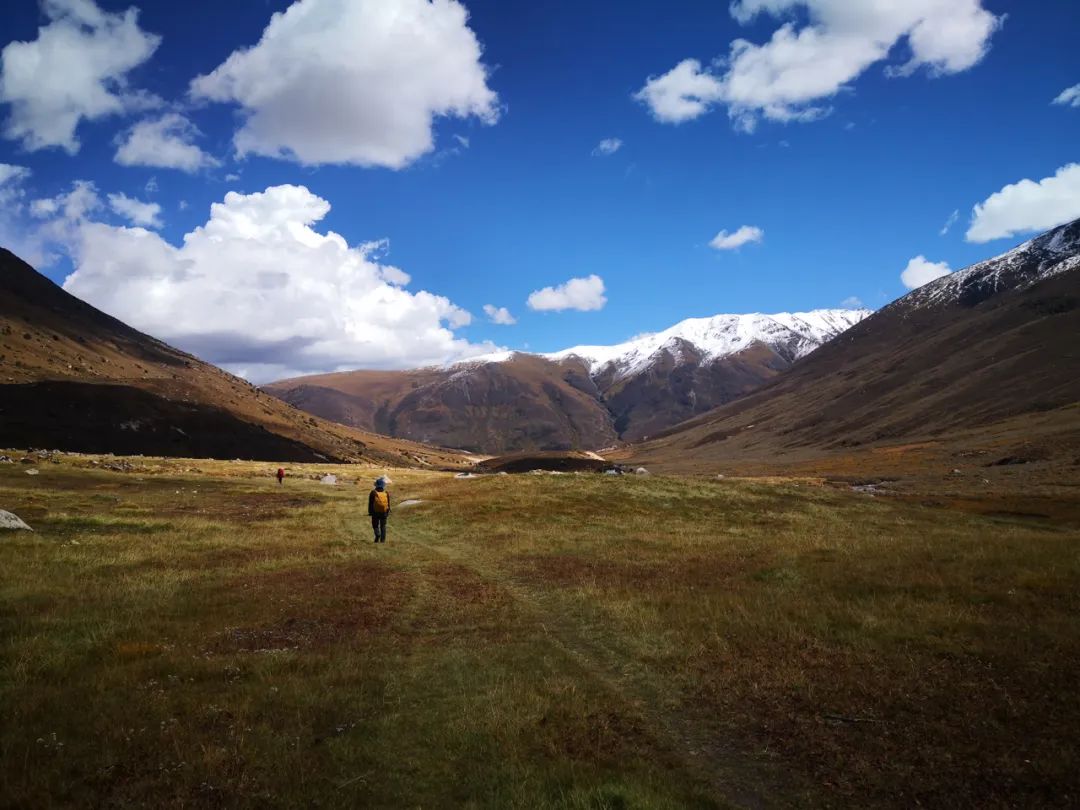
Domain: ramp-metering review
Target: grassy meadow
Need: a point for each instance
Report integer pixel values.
(190, 634)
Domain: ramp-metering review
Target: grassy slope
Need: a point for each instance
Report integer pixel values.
(47, 334)
(188, 639)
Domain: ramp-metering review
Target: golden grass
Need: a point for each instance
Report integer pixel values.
(190, 634)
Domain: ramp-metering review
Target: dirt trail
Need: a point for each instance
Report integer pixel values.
(728, 776)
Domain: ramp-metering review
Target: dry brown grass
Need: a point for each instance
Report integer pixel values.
(188, 634)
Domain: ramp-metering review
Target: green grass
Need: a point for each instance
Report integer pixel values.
(182, 639)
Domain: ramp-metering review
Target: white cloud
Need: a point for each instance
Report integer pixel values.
(11, 178)
(166, 142)
(14, 235)
(499, 315)
(583, 294)
(463, 142)
(354, 81)
(788, 77)
(731, 241)
(1069, 97)
(259, 290)
(955, 215)
(73, 207)
(1028, 206)
(608, 146)
(76, 69)
(852, 302)
(921, 270)
(683, 93)
(135, 211)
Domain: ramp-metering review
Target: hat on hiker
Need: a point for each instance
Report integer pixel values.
(380, 484)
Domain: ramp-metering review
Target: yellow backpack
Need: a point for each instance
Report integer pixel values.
(381, 504)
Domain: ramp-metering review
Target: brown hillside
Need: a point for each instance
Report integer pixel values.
(74, 378)
(532, 403)
(526, 403)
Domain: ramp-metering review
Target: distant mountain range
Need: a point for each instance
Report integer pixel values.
(985, 360)
(585, 397)
(990, 353)
(73, 378)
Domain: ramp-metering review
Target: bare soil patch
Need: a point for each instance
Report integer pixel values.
(243, 508)
(319, 607)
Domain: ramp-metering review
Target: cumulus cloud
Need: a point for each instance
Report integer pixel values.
(1069, 97)
(72, 207)
(608, 146)
(583, 294)
(685, 92)
(76, 69)
(789, 77)
(146, 214)
(499, 315)
(1028, 206)
(354, 81)
(921, 270)
(261, 291)
(166, 142)
(731, 241)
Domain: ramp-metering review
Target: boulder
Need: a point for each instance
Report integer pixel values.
(12, 522)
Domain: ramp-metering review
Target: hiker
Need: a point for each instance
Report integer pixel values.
(280, 475)
(378, 506)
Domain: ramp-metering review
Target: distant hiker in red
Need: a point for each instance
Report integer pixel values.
(281, 475)
(378, 506)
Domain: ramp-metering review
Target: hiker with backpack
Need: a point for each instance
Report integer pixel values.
(280, 475)
(378, 506)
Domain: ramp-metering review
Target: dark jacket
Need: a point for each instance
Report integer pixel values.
(371, 502)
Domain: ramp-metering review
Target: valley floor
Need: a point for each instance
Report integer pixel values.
(188, 634)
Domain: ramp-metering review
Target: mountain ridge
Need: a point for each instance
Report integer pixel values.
(583, 397)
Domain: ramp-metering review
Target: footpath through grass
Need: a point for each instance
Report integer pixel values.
(210, 639)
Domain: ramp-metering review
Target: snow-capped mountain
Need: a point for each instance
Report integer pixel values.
(586, 396)
(1052, 253)
(983, 361)
(790, 335)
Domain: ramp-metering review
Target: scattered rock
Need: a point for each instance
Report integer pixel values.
(721, 475)
(409, 502)
(329, 480)
(641, 471)
(32, 472)
(870, 489)
(6, 460)
(957, 472)
(465, 475)
(12, 522)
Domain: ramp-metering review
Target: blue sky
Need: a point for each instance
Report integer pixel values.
(848, 178)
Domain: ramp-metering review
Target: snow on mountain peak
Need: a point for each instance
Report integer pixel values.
(793, 334)
(1052, 253)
